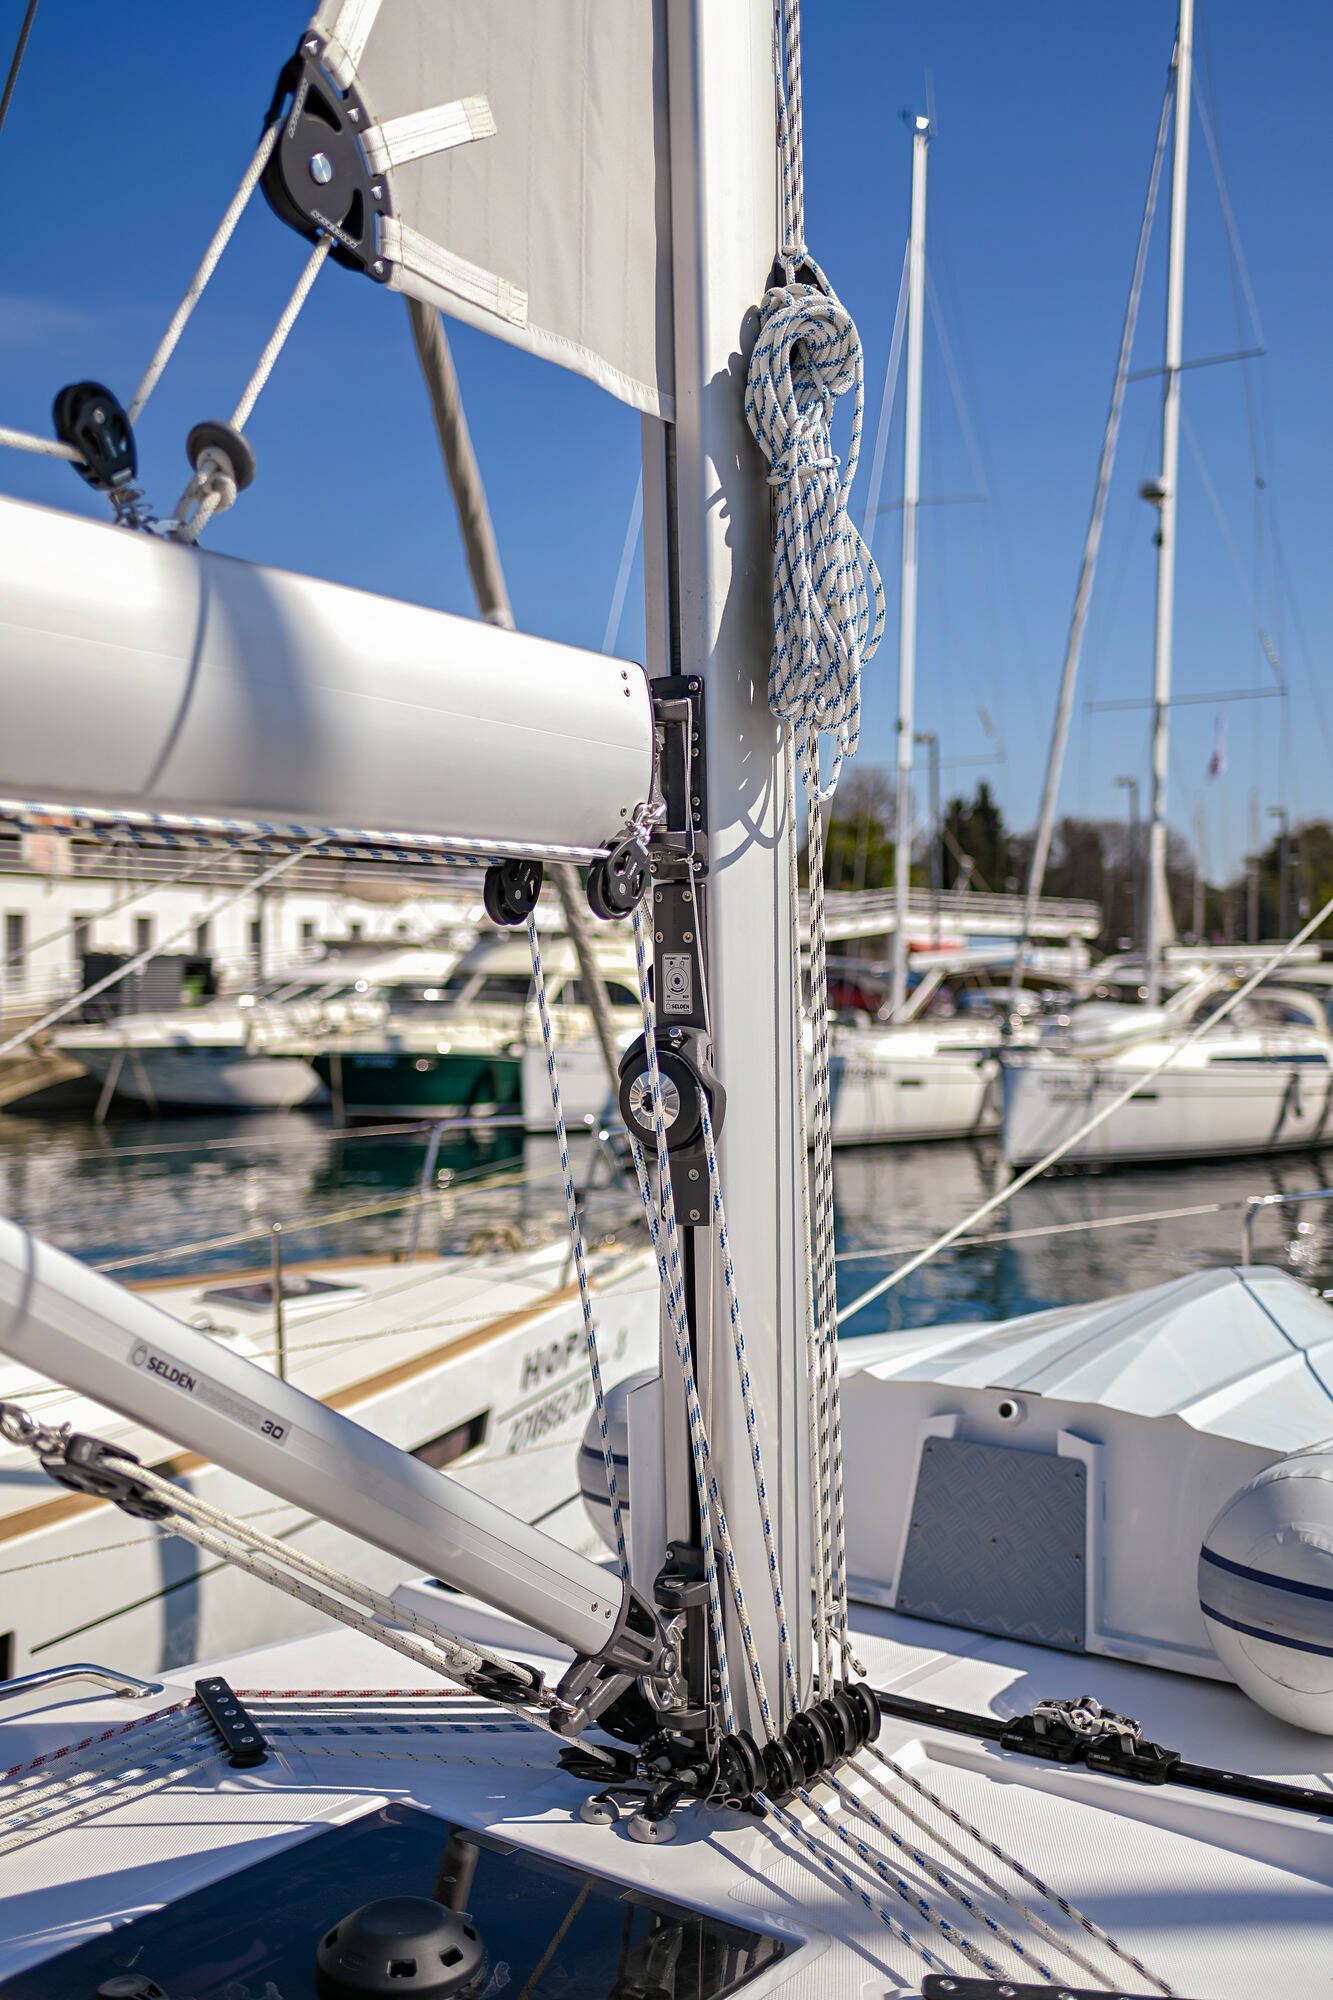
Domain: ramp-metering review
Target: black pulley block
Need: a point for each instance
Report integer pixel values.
(740, 1767)
(88, 417)
(317, 179)
(404, 1945)
(214, 436)
(680, 1096)
(619, 880)
(510, 891)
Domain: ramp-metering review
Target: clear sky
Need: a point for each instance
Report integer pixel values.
(129, 132)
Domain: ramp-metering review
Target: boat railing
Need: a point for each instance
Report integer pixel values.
(129, 1686)
(1256, 1202)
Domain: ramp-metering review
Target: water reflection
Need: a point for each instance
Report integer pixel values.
(140, 1187)
(901, 1197)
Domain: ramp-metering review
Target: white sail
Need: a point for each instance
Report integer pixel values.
(527, 198)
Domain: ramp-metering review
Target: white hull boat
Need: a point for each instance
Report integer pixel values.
(251, 1051)
(195, 1075)
(1240, 1091)
(928, 1080)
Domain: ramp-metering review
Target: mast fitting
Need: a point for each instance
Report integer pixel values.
(318, 180)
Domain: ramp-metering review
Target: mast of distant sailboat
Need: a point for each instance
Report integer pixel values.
(922, 132)
(1162, 492)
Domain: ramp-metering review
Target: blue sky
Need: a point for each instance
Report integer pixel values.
(122, 149)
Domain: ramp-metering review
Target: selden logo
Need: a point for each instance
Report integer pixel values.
(156, 1364)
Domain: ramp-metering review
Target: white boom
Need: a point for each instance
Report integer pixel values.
(139, 674)
(64, 1320)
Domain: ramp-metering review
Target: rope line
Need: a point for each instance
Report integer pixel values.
(16, 61)
(828, 601)
(217, 1531)
(1007, 1860)
(43, 446)
(901, 1887)
(791, 1692)
(577, 1244)
(666, 1244)
(213, 487)
(222, 236)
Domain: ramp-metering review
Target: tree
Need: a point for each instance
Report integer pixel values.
(858, 834)
(975, 832)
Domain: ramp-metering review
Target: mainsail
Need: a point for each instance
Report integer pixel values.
(530, 199)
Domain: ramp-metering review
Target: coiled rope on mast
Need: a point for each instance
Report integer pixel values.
(828, 619)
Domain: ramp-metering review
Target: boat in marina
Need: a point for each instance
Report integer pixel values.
(250, 1051)
(473, 1047)
(1259, 1082)
(818, 1723)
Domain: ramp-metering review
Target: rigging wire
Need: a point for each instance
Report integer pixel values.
(632, 531)
(16, 61)
(887, 399)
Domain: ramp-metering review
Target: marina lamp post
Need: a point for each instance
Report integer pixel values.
(1131, 785)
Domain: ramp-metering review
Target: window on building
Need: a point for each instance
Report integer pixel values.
(307, 933)
(16, 943)
(203, 938)
(143, 934)
(83, 937)
(354, 933)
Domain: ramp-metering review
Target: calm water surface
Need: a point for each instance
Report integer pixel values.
(169, 1194)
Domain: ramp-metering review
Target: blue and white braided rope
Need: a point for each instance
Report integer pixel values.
(820, 1852)
(901, 1887)
(791, 1692)
(932, 1866)
(576, 1240)
(1007, 1860)
(828, 601)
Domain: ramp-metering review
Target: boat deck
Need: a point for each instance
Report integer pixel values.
(1215, 1897)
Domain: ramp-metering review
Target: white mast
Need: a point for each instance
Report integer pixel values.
(1165, 497)
(706, 518)
(916, 294)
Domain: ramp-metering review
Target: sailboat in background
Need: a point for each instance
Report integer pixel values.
(1262, 1081)
(872, 1781)
(908, 1075)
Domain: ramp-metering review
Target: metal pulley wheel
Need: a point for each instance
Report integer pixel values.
(680, 1096)
(619, 880)
(228, 444)
(510, 891)
(87, 416)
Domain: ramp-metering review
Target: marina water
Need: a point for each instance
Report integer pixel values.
(181, 1196)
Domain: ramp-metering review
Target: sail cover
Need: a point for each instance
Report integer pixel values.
(524, 144)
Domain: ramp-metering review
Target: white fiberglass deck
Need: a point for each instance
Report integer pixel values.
(1219, 1900)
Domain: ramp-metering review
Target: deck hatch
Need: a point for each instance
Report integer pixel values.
(256, 1931)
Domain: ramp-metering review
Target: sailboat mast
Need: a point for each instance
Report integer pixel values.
(1165, 496)
(916, 296)
(708, 569)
